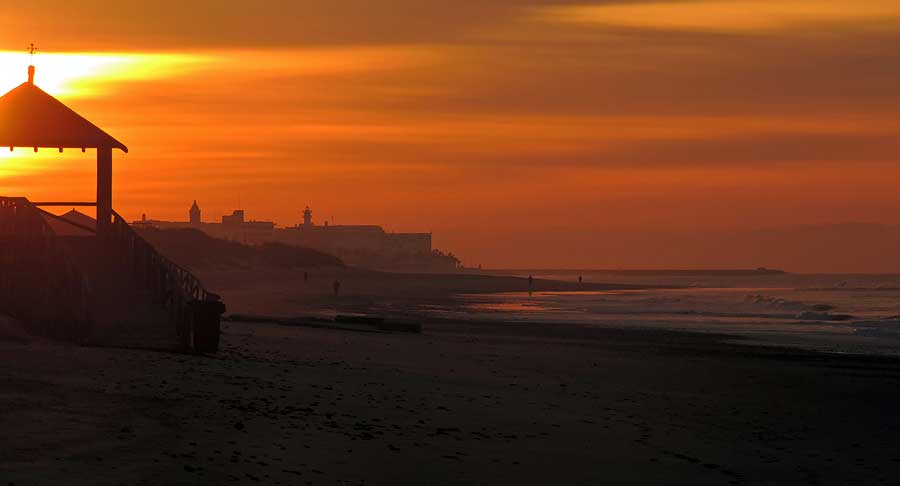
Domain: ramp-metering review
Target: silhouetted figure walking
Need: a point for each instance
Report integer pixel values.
(579, 279)
(337, 287)
(530, 284)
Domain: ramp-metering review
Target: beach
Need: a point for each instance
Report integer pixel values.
(465, 402)
(429, 243)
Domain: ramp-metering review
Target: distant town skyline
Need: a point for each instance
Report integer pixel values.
(519, 132)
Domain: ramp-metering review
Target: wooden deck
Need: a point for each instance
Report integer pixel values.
(114, 290)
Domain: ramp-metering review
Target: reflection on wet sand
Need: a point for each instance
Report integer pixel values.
(832, 319)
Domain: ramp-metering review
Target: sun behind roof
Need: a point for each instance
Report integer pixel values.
(29, 117)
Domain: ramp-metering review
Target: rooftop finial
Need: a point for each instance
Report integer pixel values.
(31, 50)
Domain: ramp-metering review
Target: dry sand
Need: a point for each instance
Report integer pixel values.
(463, 403)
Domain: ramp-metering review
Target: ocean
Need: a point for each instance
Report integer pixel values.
(855, 314)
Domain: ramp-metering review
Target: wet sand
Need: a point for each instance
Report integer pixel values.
(462, 403)
(284, 292)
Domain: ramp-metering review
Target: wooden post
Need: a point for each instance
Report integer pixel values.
(104, 190)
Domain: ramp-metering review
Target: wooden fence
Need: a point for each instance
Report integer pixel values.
(42, 285)
(194, 311)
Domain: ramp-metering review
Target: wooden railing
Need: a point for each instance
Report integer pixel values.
(42, 285)
(194, 311)
(39, 281)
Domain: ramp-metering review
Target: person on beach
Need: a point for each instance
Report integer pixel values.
(337, 287)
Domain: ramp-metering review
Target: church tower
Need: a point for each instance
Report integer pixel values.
(195, 214)
(307, 217)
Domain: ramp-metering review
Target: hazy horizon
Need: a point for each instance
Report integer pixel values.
(519, 132)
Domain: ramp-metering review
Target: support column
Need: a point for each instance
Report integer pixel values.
(104, 190)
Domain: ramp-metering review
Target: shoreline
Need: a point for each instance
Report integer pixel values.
(785, 314)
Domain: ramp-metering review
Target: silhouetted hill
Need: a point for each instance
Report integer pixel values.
(195, 249)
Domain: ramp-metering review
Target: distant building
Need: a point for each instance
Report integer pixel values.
(367, 245)
(363, 245)
(195, 214)
(349, 241)
(233, 227)
(236, 218)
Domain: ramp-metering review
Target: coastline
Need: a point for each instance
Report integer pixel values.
(822, 314)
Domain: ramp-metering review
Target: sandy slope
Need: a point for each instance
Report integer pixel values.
(464, 403)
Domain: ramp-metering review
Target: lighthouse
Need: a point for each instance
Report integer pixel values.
(195, 214)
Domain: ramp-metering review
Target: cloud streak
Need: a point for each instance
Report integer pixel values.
(747, 16)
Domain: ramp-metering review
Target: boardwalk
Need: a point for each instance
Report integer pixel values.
(99, 282)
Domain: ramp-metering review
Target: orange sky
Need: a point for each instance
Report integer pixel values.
(518, 131)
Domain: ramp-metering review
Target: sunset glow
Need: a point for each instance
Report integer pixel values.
(73, 75)
(629, 115)
(727, 15)
(410, 242)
